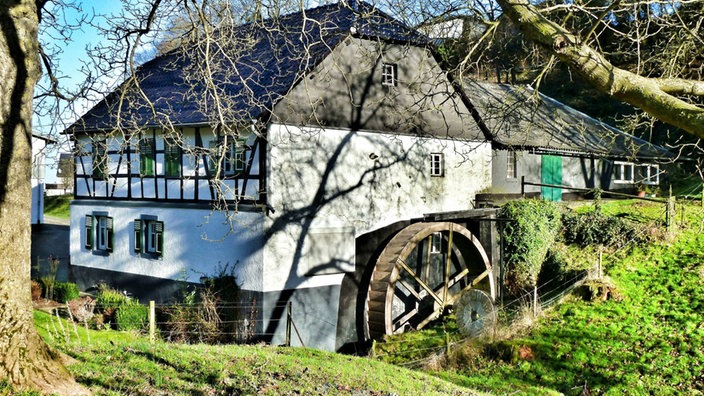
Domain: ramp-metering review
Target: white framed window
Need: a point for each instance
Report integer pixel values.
(649, 174)
(624, 172)
(437, 167)
(389, 74)
(511, 164)
(99, 233)
(149, 236)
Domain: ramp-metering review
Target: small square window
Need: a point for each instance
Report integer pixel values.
(149, 236)
(436, 165)
(649, 174)
(99, 233)
(389, 74)
(623, 172)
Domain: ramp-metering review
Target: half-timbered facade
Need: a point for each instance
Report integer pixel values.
(358, 128)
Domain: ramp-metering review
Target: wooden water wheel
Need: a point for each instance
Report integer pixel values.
(421, 272)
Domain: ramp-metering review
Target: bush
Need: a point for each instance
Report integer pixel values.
(108, 302)
(527, 239)
(36, 290)
(597, 228)
(65, 291)
(131, 316)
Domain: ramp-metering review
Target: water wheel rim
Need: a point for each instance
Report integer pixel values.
(391, 265)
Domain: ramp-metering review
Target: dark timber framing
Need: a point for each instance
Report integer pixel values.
(248, 187)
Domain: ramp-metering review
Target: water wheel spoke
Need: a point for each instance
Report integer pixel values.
(422, 284)
(431, 317)
(423, 269)
(455, 279)
(403, 320)
(409, 289)
(469, 286)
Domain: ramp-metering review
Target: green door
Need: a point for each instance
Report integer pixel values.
(551, 173)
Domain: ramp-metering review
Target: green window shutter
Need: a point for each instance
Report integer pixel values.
(146, 157)
(159, 231)
(172, 158)
(89, 232)
(110, 238)
(137, 236)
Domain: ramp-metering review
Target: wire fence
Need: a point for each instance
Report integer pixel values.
(218, 322)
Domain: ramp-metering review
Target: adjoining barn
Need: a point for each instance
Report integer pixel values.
(547, 142)
(324, 136)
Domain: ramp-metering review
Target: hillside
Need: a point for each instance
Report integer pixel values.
(647, 340)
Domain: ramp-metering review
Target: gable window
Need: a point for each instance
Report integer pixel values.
(100, 159)
(99, 233)
(149, 236)
(511, 165)
(649, 173)
(624, 172)
(389, 74)
(146, 157)
(436, 165)
(172, 158)
(228, 156)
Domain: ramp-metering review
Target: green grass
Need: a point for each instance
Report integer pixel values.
(650, 342)
(58, 206)
(117, 363)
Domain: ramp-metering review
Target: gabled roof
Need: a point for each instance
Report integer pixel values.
(520, 118)
(258, 66)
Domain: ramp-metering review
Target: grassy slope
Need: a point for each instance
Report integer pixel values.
(651, 342)
(58, 206)
(111, 362)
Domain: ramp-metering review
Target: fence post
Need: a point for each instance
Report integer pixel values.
(670, 217)
(523, 188)
(288, 324)
(152, 322)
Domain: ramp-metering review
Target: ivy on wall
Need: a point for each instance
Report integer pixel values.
(527, 237)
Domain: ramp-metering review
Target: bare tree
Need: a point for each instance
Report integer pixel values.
(26, 361)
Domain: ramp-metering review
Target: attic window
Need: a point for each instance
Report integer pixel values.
(436, 165)
(389, 74)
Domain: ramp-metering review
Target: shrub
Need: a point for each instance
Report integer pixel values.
(36, 290)
(597, 228)
(131, 316)
(65, 291)
(82, 308)
(527, 239)
(109, 301)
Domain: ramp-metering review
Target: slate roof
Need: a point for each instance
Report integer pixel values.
(257, 66)
(520, 118)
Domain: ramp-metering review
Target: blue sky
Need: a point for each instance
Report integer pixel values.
(69, 63)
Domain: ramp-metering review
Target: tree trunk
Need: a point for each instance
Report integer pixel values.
(25, 360)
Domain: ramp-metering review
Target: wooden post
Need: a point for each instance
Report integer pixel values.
(152, 322)
(535, 299)
(523, 188)
(670, 216)
(288, 324)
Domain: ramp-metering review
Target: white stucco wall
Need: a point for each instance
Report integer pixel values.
(197, 241)
(328, 186)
